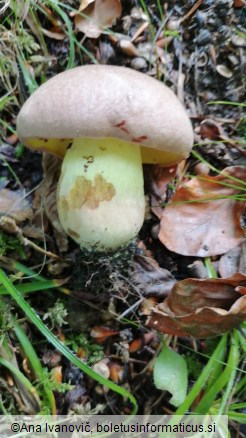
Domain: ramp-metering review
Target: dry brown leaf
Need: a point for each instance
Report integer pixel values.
(32, 232)
(159, 177)
(239, 3)
(15, 204)
(190, 294)
(128, 47)
(241, 290)
(151, 279)
(52, 169)
(200, 220)
(101, 334)
(98, 15)
(55, 35)
(211, 129)
(84, 4)
(202, 308)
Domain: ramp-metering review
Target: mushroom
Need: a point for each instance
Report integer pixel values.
(105, 121)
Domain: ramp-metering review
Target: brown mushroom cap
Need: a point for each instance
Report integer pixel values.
(99, 101)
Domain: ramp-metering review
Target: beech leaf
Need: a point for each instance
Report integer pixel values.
(203, 217)
(202, 308)
(98, 15)
(170, 374)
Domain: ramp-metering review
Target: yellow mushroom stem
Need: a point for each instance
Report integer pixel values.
(100, 196)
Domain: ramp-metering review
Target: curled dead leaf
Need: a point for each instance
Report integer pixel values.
(159, 177)
(204, 216)
(202, 308)
(96, 15)
(157, 180)
(151, 279)
(211, 129)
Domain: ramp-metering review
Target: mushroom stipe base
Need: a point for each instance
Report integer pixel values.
(95, 270)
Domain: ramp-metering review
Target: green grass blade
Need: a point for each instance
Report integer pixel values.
(225, 102)
(237, 416)
(34, 363)
(76, 42)
(34, 286)
(200, 158)
(13, 265)
(29, 80)
(20, 376)
(146, 10)
(210, 268)
(242, 341)
(241, 385)
(235, 406)
(226, 378)
(213, 362)
(232, 366)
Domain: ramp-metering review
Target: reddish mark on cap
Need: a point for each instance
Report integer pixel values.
(139, 139)
(121, 126)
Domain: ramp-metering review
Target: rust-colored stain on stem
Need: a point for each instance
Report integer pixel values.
(87, 193)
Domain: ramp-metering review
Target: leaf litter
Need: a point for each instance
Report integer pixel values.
(94, 16)
(203, 218)
(202, 308)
